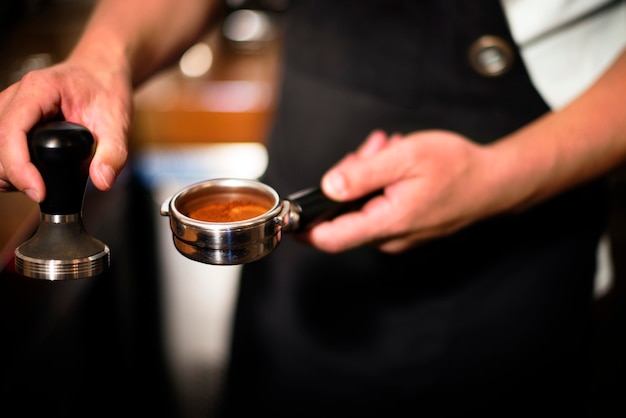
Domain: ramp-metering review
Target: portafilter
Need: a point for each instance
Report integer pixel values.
(229, 221)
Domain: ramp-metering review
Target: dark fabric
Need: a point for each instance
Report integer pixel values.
(489, 320)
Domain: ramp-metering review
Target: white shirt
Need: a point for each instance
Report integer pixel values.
(564, 56)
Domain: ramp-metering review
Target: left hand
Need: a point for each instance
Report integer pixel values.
(434, 182)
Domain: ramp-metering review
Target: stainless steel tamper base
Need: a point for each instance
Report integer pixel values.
(62, 269)
(61, 249)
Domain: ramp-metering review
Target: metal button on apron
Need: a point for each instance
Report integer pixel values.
(491, 56)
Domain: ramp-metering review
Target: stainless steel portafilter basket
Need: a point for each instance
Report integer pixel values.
(231, 221)
(61, 248)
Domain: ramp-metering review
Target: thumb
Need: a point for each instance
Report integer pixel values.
(361, 173)
(109, 159)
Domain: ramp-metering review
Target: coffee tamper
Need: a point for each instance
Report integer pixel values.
(61, 248)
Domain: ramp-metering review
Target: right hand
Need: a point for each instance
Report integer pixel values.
(80, 92)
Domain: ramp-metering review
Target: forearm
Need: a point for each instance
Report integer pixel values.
(566, 148)
(139, 37)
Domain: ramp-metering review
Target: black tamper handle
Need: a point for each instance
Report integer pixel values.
(62, 151)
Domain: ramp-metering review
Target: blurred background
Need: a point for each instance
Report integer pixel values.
(151, 335)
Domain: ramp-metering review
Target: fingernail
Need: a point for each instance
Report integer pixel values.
(335, 185)
(32, 195)
(107, 175)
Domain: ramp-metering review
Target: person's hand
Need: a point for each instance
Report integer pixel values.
(434, 182)
(79, 92)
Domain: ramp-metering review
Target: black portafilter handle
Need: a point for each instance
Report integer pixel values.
(61, 248)
(313, 206)
(62, 151)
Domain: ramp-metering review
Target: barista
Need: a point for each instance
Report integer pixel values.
(467, 286)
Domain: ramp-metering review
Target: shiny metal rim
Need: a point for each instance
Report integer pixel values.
(63, 269)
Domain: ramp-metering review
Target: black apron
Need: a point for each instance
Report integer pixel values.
(493, 319)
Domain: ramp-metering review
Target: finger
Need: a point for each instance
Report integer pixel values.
(353, 229)
(398, 245)
(374, 142)
(110, 156)
(107, 116)
(21, 174)
(352, 178)
(24, 105)
(17, 172)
